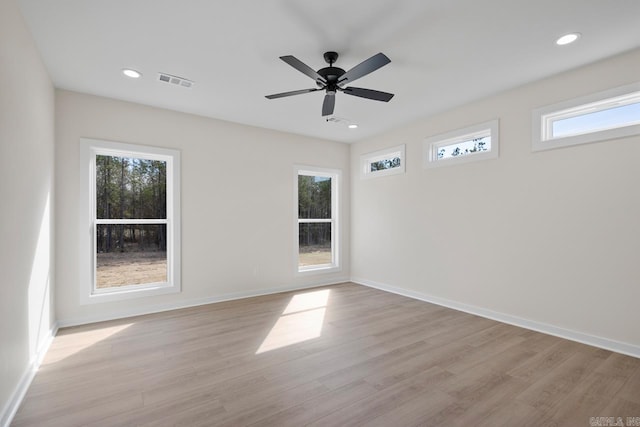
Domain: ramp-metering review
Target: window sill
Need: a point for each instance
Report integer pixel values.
(320, 269)
(130, 293)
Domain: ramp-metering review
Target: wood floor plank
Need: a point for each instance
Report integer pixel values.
(631, 388)
(416, 363)
(547, 393)
(190, 409)
(383, 401)
(256, 407)
(545, 360)
(417, 411)
(480, 399)
(621, 407)
(322, 406)
(363, 357)
(589, 398)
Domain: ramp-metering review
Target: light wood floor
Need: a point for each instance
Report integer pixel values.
(333, 356)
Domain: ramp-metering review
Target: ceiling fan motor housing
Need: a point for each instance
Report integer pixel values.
(331, 76)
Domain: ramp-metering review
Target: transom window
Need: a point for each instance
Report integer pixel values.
(466, 145)
(472, 143)
(133, 214)
(598, 117)
(389, 161)
(317, 231)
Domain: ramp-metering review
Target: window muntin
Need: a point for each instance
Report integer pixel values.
(389, 161)
(316, 222)
(597, 117)
(472, 143)
(132, 196)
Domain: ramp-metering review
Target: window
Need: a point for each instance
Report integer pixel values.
(316, 228)
(598, 117)
(389, 161)
(130, 197)
(478, 142)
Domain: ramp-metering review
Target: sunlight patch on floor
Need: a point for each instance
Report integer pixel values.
(301, 320)
(67, 345)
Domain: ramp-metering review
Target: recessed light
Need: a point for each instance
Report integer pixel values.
(131, 73)
(567, 39)
(353, 126)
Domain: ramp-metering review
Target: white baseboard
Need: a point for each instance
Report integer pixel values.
(63, 323)
(545, 328)
(10, 409)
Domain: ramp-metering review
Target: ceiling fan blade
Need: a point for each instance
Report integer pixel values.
(368, 93)
(303, 68)
(328, 105)
(365, 67)
(293, 92)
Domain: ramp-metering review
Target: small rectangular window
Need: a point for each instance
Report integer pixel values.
(317, 230)
(472, 143)
(598, 117)
(477, 143)
(131, 200)
(389, 161)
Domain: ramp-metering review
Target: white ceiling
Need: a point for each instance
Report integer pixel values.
(444, 52)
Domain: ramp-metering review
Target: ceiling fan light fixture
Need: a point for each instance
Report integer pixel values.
(568, 39)
(131, 73)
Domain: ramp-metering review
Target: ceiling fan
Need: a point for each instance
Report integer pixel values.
(333, 79)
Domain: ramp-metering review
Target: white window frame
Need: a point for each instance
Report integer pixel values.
(336, 183)
(388, 153)
(544, 117)
(432, 145)
(89, 149)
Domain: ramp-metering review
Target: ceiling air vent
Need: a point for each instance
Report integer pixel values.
(175, 80)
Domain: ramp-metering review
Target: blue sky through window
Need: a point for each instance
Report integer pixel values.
(615, 117)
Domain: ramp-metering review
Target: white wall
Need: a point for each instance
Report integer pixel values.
(26, 206)
(552, 237)
(237, 199)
